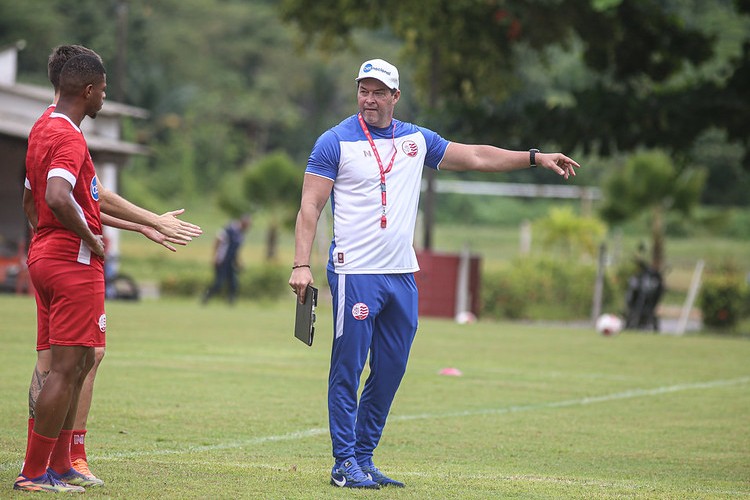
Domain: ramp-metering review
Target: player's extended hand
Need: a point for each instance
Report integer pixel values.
(165, 241)
(557, 162)
(176, 230)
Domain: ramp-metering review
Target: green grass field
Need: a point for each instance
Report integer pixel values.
(221, 402)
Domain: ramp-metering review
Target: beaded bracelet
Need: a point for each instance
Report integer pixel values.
(301, 265)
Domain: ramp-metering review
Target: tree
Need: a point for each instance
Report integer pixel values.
(650, 182)
(273, 185)
(467, 65)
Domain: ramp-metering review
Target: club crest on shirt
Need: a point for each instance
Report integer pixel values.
(102, 323)
(410, 148)
(94, 189)
(360, 311)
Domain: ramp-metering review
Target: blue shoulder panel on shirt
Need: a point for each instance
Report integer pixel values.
(326, 154)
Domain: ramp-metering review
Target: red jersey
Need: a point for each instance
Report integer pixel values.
(50, 109)
(57, 148)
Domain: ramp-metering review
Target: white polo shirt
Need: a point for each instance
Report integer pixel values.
(343, 154)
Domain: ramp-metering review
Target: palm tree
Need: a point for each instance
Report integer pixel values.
(274, 185)
(650, 182)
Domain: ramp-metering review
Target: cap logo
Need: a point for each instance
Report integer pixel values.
(369, 67)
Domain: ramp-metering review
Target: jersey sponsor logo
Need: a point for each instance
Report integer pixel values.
(94, 189)
(360, 311)
(410, 148)
(102, 323)
(340, 257)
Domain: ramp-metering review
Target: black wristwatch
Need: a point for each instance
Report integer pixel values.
(532, 157)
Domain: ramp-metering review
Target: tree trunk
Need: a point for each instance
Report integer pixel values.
(272, 239)
(429, 198)
(657, 238)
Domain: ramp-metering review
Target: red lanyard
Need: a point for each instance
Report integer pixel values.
(383, 171)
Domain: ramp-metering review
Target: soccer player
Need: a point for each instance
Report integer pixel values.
(57, 59)
(370, 165)
(66, 267)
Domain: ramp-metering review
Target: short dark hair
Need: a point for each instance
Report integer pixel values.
(59, 56)
(80, 71)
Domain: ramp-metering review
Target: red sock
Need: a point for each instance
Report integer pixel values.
(28, 434)
(59, 460)
(40, 448)
(78, 445)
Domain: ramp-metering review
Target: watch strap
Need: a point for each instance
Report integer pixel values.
(532, 157)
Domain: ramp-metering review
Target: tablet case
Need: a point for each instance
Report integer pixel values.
(304, 323)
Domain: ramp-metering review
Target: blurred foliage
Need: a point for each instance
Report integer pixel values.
(604, 77)
(262, 282)
(650, 182)
(723, 300)
(552, 288)
(570, 235)
(227, 82)
(272, 185)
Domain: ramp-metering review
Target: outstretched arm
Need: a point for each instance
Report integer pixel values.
(167, 224)
(484, 158)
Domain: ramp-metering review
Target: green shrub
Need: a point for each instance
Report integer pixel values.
(542, 288)
(184, 283)
(723, 301)
(267, 281)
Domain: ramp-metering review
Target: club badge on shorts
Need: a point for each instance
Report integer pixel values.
(102, 323)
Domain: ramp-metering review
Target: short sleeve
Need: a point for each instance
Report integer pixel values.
(436, 147)
(325, 156)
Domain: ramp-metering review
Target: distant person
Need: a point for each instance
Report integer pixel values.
(370, 166)
(63, 201)
(226, 258)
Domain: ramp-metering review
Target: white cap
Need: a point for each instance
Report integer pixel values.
(380, 70)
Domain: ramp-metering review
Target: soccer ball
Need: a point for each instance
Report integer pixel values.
(466, 317)
(608, 325)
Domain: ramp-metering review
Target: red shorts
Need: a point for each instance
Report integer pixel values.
(69, 304)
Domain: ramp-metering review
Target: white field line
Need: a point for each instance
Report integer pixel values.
(623, 484)
(633, 393)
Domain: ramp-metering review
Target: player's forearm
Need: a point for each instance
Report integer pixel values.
(118, 207)
(110, 221)
(66, 213)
